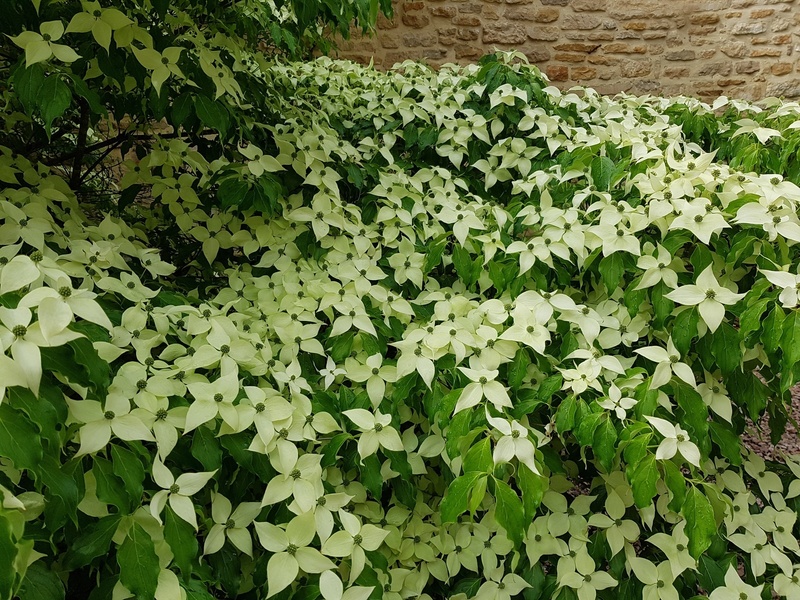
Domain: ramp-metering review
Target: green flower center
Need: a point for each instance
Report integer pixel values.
(19, 331)
(109, 414)
(174, 488)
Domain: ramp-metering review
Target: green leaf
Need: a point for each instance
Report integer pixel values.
(138, 563)
(110, 488)
(129, 468)
(790, 340)
(605, 443)
(565, 416)
(232, 191)
(98, 369)
(750, 320)
(602, 172)
(212, 114)
(644, 480)
(509, 513)
(19, 440)
(206, 448)
(676, 483)
(746, 390)
(41, 583)
(533, 487)
(695, 416)
(518, 368)
(725, 348)
(182, 540)
(612, 268)
(93, 541)
(729, 443)
(28, 85)
(8, 553)
(456, 498)
(773, 330)
(182, 108)
(662, 306)
(684, 328)
(462, 261)
(700, 523)
(479, 457)
(371, 476)
(54, 99)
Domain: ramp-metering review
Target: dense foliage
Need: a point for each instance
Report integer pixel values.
(413, 334)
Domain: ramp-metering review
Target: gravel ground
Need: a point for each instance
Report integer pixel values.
(759, 442)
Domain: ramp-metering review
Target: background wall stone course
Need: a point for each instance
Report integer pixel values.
(705, 48)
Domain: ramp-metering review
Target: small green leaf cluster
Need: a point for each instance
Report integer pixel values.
(434, 334)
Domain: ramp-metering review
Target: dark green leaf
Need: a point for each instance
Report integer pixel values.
(28, 85)
(138, 563)
(8, 552)
(371, 476)
(54, 99)
(602, 172)
(605, 443)
(19, 440)
(110, 488)
(479, 457)
(41, 583)
(509, 513)
(93, 541)
(518, 368)
(644, 480)
(129, 468)
(700, 523)
(456, 498)
(182, 540)
(612, 268)
(729, 443)
(684, 328)
(206, 448)
(533, 487)
(725, 347)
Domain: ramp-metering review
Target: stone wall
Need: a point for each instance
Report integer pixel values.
(740, 48)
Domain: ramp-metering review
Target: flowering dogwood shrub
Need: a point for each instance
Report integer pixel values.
(498, 341)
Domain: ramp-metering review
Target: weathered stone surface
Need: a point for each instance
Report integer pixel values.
(504, 33)
(447, 12)
(568, 57)
(704, 19)
(467, 21)
(759, 52)
(700, 47)
(532, 13)
(576, 47)
(468, 52)
(747, 67)
(734, 49)
(788, 89)
(681, 55)
(415, 20)
(557, 73)
(588, 5)
(580, 22)
(636, 68)
(781, 68)
(468, 34)
(544, 33)
(716, 68)
(583, 73)
(622, 48)
(748, 28)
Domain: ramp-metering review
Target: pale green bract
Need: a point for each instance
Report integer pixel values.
(499, 341)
